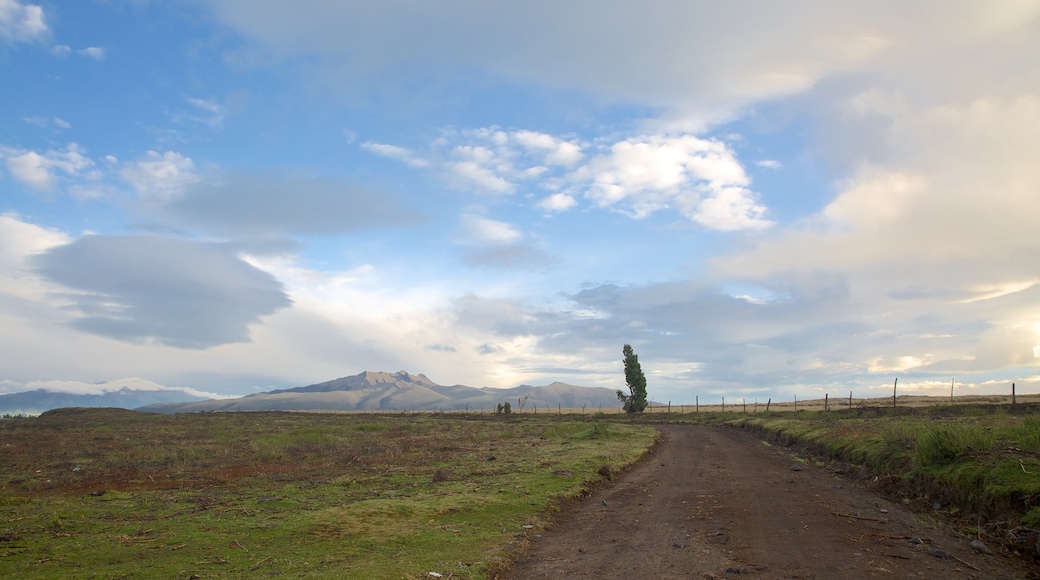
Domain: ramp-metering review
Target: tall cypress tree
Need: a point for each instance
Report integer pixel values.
(635, 401)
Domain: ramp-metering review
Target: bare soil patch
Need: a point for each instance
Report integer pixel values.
(720, 503)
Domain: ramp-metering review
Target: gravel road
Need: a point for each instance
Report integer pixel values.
(720, 503)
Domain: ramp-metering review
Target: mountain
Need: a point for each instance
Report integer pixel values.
(125, 393)
(380, 391)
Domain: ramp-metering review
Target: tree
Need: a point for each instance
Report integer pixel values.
(635, 401)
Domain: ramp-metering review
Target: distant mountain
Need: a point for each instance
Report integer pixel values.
(380, 391)
(125, 393)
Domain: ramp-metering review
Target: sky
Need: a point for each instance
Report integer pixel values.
(765, 199)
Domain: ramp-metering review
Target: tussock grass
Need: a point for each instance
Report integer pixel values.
(114, 493)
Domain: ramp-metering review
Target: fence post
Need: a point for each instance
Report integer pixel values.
(894, 392)
(723, 404)
(697, 401)
(744, 401)
(825, 395)
(1013, 394)
(767, 404)
(850, 400)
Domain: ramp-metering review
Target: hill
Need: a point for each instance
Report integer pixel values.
(401, 391)
(125, 394)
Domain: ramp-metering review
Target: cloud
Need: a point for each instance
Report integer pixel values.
(103, 387)
(500, 245)
(516, 256)
(769, 164)
(94, 52)
(482, 229)
(48, 123)
(392, 151)
(18, 241)
(558, 202)
(61, 50)
(271, 205)
(22, 22)
(212, 116)
(150, 289)
(700, 178)
(160, 176)
(40, 170)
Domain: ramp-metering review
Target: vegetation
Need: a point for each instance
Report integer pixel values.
(113, 493)
(978, 462)
(635, 401)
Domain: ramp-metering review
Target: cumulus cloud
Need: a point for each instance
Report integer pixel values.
(558, 202)
(41, 170)
(258, 205)
(700, 178)
(22, 22)
(150, 289)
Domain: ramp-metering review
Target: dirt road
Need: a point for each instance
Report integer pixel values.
(720, 503)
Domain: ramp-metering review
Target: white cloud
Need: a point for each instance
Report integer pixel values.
(700, 178)
(214, 113)
(160, 176)
(649, 173)
(47, 123)
(40, 170)
(769, 164)
(21, 22)
(558, 202)
(101, 388)
(731, 209)
(483, 229)
(394, 152)
(18, 241)
(94, 52)
(61, 50)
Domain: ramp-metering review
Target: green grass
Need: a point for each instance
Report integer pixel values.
(298, 495)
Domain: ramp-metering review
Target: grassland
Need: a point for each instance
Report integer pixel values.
(109, 493)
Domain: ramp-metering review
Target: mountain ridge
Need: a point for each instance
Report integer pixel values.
(400, 391)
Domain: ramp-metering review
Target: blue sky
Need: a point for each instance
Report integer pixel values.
(765, 199)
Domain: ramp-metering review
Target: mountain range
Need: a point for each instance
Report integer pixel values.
(129, 396)
(401, 391)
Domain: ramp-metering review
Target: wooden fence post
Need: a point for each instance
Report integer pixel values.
(767, 404)
(825, 395)
(894, 392)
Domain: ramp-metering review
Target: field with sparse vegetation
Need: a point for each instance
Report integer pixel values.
(118, 494)
(978, 464)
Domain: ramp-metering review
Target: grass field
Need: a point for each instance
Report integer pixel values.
(109, 493)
